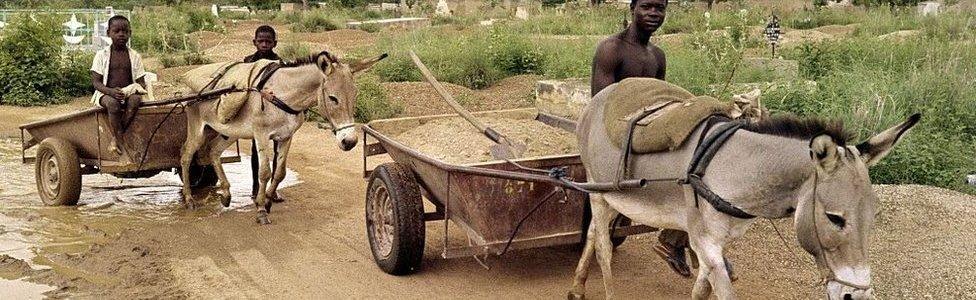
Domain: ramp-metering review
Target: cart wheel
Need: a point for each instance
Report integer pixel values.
(619, 221)
(201, 176)
(58, 172)
(395, 219)
(137, 174)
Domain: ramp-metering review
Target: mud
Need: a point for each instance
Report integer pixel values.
(454, 140)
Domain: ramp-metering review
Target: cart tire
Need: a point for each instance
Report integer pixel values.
(619, 221)
(201, 176)
(137, 174)
(57, 172)
(393, 200)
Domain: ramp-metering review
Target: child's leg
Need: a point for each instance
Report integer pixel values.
(114, 111)
(131, 107)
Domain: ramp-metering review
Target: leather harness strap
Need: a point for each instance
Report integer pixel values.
(707, 147)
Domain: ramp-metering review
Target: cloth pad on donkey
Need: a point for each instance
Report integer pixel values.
(678, 113)
(241, 76)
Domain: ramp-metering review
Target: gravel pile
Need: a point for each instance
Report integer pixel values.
(455, 141)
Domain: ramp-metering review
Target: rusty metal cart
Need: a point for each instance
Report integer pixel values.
(498, 205)
(77, 144)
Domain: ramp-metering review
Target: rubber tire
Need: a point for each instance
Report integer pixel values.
(201, 176)
(69, 172)
(137, 174)
(620, 221)
(407, 251)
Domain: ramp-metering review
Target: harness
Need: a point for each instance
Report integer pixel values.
(264, 74)
(708, 145)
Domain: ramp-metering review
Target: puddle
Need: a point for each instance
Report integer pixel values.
(108, 205)
(21, 289)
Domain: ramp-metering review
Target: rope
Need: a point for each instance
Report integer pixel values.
(518, 226)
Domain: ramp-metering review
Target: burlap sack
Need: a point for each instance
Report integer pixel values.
(678, 115)
(242, 76)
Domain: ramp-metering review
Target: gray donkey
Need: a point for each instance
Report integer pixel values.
(772, 169)
(273, 111)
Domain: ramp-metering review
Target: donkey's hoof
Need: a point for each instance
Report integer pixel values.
(277, 199)
(263, 218)
(225, 199)
(575, 296)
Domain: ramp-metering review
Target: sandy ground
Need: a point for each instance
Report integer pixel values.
(317, 247)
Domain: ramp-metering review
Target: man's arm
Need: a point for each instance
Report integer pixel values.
(604, 65)
(662, 63)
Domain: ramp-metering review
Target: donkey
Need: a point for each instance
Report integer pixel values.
(780, 167)
(271, 117)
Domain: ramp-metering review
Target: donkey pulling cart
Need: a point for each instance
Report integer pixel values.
(497, 204)
(78, 144)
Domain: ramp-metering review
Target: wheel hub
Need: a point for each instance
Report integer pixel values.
(381, 218)
(51, 175)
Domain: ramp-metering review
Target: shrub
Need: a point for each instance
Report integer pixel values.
(372, 102)
(294, 50)
(30, 62)
(165, 31)
(314, 22)
(183, 59)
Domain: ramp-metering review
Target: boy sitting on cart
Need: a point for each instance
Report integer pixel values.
(118, 78)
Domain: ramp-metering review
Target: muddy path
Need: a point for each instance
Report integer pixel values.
(317, 247)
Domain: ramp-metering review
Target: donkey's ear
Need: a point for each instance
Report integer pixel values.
(823, 151)
(878, 146)
(324, 61)
(364, 65)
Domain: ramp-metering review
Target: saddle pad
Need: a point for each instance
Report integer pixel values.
(678, 113)
(241, 75)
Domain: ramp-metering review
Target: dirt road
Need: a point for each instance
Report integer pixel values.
(317, 248)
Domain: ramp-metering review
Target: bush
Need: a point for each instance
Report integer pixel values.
(183, 59)
(294, 50)
(165, 31)
(372, 102)
(31, 68)
(313, 22)
(874, 84)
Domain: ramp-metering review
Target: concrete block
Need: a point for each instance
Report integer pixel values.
(565, 98)
(929, 8)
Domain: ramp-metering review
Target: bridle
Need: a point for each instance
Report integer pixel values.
(826, 270)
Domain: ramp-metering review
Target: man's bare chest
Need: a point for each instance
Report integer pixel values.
(639, 62)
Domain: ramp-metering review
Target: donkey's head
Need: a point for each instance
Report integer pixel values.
(337, 95)
(835, 215)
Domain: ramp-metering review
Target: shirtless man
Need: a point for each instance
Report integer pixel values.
(113, 70)
(630, 54)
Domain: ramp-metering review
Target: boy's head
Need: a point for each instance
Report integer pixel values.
(118, 30)
(265, 39)
(648, 15)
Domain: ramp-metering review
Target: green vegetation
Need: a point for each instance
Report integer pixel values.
(372, 102)
(33, 68)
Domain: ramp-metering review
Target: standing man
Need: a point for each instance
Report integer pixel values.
(265, 40)
(631, 54)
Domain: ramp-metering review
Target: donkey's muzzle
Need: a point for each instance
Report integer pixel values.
(347, 137)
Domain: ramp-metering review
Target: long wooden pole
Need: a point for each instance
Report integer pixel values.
(447, 96)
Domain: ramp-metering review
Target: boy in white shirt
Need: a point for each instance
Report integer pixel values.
(118, 78)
